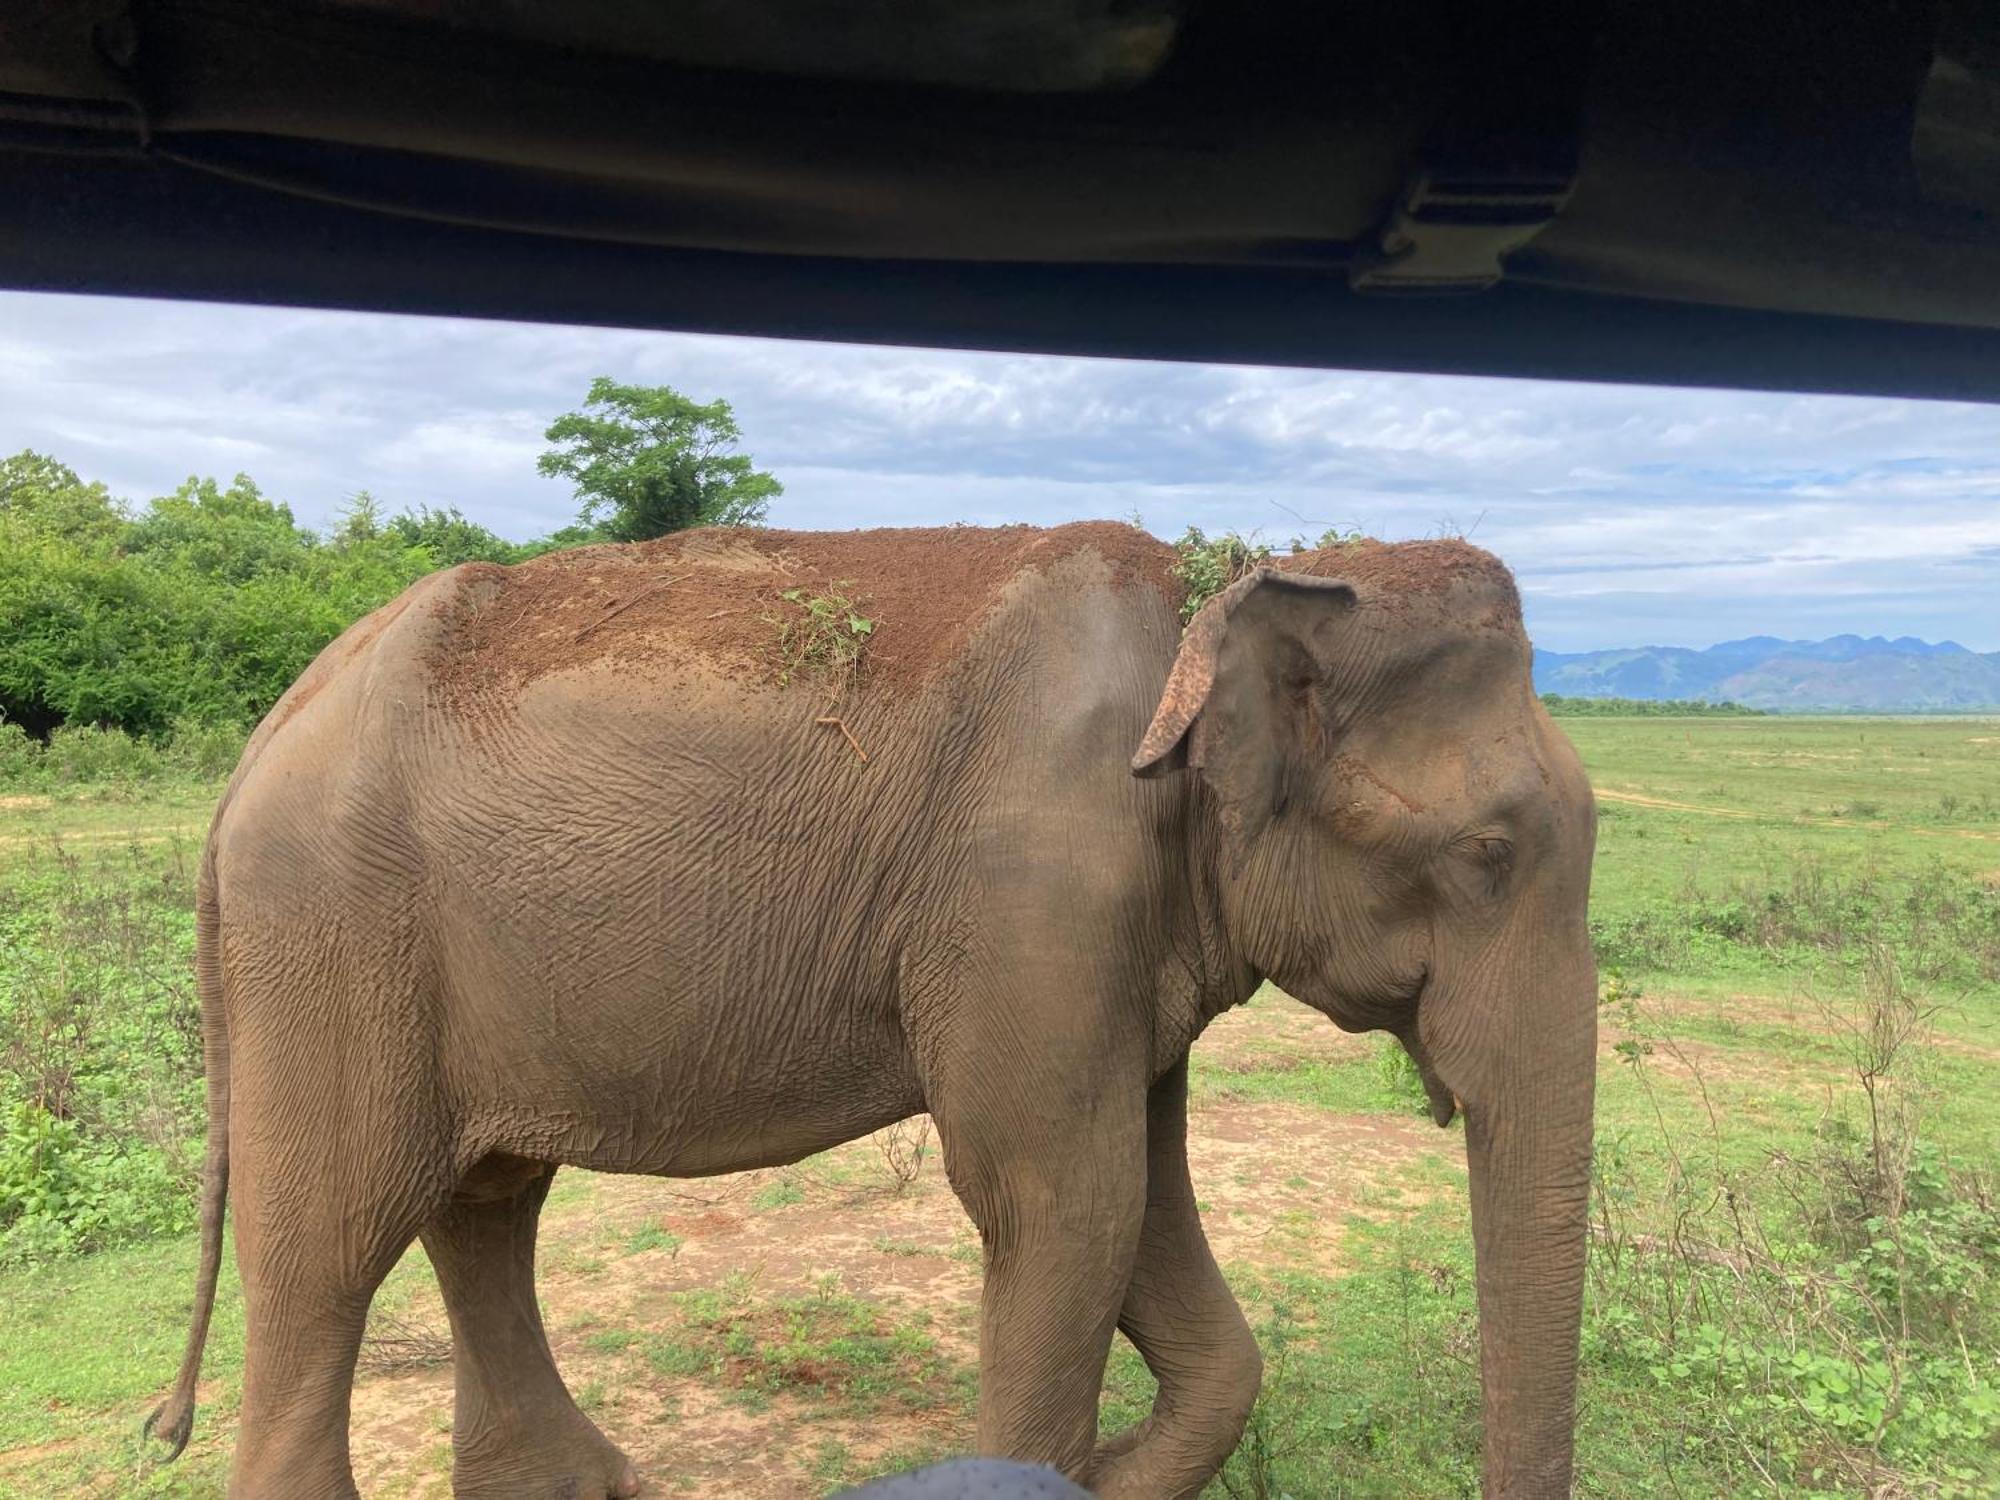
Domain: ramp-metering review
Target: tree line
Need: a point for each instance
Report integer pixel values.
(198, 608)
(1648, 708)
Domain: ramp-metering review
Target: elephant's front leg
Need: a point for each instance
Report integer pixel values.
(1181, 1316)
(1047, 1153)
(515, 1430)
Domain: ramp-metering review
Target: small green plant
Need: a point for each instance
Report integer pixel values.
(903, 1147)
(831, 1462)
(653, 1237)
(823, 635)
(1333, 539)
(1276, 1429)
(678, 1357)
(779, 1194)
(1399, 1076)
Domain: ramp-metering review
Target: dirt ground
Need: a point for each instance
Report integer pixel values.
(669, 1303)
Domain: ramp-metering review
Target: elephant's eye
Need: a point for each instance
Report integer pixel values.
(1492, 854)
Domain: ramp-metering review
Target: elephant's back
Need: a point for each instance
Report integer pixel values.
(885, 611)
(679, 664)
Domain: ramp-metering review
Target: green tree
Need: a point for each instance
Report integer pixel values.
(646, 460)
(41, 497)
(220, 535)
(451, 539)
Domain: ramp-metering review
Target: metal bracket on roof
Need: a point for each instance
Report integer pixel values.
(1500, 159)
(1452, 228)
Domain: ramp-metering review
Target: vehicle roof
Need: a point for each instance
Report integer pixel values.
(1731, 192)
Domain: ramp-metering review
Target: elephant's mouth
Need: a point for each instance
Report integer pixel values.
(1444, 1103)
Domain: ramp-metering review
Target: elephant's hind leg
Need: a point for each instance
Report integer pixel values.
(324, 1208)
(515, 1430)
(1181, 1316)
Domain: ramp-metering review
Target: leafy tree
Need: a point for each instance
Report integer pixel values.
(201, 608)
(646, 460)
(449, 538)
(42, 497)
(217, 534)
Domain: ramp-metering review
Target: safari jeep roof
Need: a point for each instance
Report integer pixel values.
(1742, 192)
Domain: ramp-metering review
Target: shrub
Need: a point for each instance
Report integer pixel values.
(87, 752)
(1940, 925)
(1810, 1321)
(101, 1099)
(1208, 566)
(205, 751)
(20, 756)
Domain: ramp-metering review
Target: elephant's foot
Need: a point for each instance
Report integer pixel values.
(1115, 1447)
(560, 1458)
(1164, 1457)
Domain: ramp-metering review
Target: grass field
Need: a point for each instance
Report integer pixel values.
(1795, 1277)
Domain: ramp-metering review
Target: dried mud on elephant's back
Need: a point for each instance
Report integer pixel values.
(717, 597)
(1396, 575)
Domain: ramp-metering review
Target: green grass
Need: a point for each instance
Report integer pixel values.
(779, 1194)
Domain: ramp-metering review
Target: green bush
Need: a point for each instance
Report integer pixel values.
(20, 756)
(203, 606)
(89, 757)
(78, 753)
(205, 752)
(63, 1191)
(1942, 925)
(101, 1099)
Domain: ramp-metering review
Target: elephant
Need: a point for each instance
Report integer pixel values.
(711, 852)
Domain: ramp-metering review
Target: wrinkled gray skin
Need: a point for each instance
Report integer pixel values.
(671, 926)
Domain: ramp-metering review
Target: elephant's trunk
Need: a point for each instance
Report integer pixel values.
(1530, 1203)
(1528, 1100)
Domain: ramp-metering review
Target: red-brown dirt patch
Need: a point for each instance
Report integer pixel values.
(717, 596)
(1392, 575)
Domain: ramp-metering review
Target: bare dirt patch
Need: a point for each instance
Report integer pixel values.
(1271, 1033)
(632, 1269)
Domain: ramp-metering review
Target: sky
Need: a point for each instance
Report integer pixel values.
(1630, 515)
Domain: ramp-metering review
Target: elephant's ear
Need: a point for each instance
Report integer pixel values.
(1251, 652)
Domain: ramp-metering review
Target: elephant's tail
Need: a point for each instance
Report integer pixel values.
(175, 1418)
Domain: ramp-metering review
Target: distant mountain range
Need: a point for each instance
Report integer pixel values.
(1853, 673)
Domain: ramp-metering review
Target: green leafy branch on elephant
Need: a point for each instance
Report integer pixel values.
(823, 635)
(1208, 565)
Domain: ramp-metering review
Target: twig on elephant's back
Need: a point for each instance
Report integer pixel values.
(618, 609)
(841, 725)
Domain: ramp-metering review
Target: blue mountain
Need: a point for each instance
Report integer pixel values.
(1852, 673)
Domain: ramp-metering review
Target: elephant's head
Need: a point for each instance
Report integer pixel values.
(1402, 839)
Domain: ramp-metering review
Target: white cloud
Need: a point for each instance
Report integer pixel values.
(1631, 515)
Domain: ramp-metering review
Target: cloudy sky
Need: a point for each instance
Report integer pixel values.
(1632, 516)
